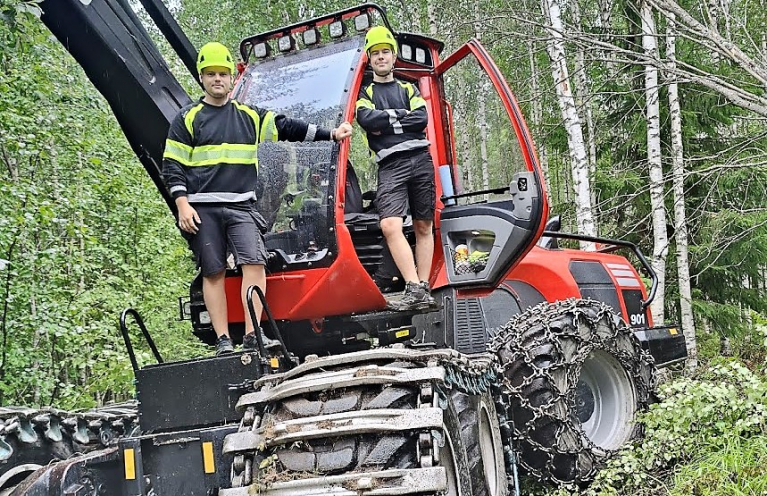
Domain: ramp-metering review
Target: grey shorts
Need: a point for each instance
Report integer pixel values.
(225, 229)
(407, 181)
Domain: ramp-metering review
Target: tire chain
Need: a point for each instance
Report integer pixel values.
(470, 375)
(511, 337)
(27, 433)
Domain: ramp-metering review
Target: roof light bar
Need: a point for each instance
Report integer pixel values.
(311, 36)
(337, 29)
(406, 51)
(261, 50)
(286, 43)
(362, 22)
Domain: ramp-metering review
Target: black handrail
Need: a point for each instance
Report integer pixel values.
(126, 337)
(252, 311)
(615, 242)
(491, 191)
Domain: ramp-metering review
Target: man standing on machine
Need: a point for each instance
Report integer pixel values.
(393, 115)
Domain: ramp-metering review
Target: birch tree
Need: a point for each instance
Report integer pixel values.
(572, 121)
(652, 116)
(680, 218)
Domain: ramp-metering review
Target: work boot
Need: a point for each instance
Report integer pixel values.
(429, 297)
(415, 297)
(224, 345)
(250, 343)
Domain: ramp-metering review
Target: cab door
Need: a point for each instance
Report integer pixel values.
(494, 201)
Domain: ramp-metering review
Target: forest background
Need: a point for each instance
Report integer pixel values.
(649, 116)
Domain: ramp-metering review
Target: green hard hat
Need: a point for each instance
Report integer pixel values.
(214, 54)
(379, 35)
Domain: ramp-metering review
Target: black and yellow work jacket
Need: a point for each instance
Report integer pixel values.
(394, 118)
(211, 154)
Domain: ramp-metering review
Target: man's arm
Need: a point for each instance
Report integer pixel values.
(177, 154)
(282, 128)
(373, 120)
(415, 121)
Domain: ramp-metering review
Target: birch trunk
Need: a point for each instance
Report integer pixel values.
(572, 121)
(481, 112)
(431, 17)
(583, 101)
(652, 114)
(543, 158)
(680, 216)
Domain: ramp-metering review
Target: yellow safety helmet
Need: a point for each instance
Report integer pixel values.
(379, 35)
(214, 54)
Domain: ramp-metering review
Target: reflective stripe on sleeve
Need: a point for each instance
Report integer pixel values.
(189, 118)
(417, 102)
(177, 151)
(365, 103)
(268, 130)
(311, 132)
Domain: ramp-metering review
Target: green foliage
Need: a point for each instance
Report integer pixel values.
(83, 234)
(738, 468)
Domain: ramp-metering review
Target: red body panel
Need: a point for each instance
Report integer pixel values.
(548, 271)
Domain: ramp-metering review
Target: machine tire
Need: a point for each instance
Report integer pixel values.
(469, 443)
(576, 376)
(481, 437)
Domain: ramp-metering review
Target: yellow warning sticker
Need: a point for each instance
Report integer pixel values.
(208, 463)
(673, 331)
(130, 464)
(402, 334)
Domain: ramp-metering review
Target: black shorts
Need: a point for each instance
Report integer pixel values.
(403, 181)
(236, 230)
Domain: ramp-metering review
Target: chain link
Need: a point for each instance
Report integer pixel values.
(544, 349)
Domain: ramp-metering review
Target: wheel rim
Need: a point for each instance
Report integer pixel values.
(605, 401)
(488, 446)
(447, 460)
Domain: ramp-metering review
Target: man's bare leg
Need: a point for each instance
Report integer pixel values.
(424, 248)
(252, 275)
(399, 248)
(214, 295)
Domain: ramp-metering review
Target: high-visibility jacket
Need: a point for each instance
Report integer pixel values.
(211, 154)
(394, 118)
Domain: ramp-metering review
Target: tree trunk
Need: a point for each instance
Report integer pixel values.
(583, 101)
(652, 115)
(680, 216)
(572, 121)
(431, 17)
(481, 112)
(538, 121)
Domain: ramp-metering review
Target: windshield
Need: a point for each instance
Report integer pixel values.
(297, 180)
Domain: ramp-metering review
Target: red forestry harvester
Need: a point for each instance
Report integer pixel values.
(528, 357)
